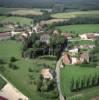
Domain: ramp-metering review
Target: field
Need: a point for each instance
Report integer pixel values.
(77, 72)
(76, 14)
(21, 78)
(80, 29)
(14, 19)
(2, 83)
(20, 11)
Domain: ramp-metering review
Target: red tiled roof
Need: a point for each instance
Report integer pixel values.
(4, 34)
(3, 98)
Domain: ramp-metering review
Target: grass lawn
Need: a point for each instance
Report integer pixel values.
(2, 83)
(76, 14)
(14, 19)
(80, 29)
(20, 78)
(77, 72)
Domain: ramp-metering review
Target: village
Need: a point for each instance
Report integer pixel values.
(49, 49)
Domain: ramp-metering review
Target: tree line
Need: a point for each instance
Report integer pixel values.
(78, 20)
(33, 47)
(86, 82)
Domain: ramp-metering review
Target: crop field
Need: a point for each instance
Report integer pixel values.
(76, 14)
(14, 19)
(21, 77)
(76, 72)
(20, 11)
(80, 29)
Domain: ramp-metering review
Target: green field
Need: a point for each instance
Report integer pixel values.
(20, 78)
(82, 42)
(80, 29)
(2, 83)
(76, 14)
(20, 11)
(77, 72)
(14, 19)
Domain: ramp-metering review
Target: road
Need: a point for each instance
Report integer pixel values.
(61, 97)
(13, 90)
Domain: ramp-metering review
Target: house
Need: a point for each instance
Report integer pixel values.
(97, 35)
(66, 59)
(73, 51)
(47, 73)
(67, 35)
(83, 36)
(56, 32)
(13, 33)
(45, 38)
(74, 60)
(84, 57)
(37, 28)
(89, 36)
(4, 35)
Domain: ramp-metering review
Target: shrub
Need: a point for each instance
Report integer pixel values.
(13, 59)
(13, 66)
(2, 61)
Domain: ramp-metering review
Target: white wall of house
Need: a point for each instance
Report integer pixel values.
(83, 37)
(74, 60)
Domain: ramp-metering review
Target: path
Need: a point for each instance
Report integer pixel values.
(61, 97)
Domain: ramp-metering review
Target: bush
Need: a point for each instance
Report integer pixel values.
(2, 61)
(2, 68)
(13, 59)
(13, 66)
(30, 70)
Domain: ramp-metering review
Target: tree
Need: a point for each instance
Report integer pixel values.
(39, 83)
(94, 54)
(88, 82)
(72, 85)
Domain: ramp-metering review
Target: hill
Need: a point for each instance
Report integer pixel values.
(69, 4)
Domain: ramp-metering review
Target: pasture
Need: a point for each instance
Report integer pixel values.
(79, 29)
(76, 72)
(68, 15)
(22, 78)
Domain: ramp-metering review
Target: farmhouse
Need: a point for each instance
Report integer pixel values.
(66, 59)
(89, 36)
(84, 57)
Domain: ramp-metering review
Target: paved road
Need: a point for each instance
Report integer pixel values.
(16, 92)
(61, 97)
